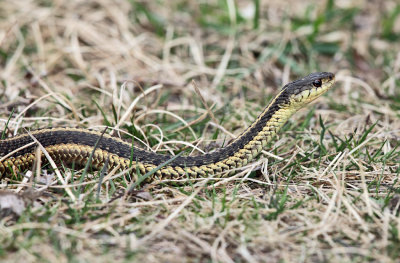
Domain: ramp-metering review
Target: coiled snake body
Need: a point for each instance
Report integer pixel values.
(75, 145)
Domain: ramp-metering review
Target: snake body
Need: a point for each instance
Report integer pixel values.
(74, 145)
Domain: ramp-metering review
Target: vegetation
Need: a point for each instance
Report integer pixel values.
(187, 77)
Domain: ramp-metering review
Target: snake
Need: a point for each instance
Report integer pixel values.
(80, 146)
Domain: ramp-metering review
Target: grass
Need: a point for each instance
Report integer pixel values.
(326, 190)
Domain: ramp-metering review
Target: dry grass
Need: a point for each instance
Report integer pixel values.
(328, 188)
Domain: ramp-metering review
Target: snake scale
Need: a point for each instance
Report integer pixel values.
(74, 145)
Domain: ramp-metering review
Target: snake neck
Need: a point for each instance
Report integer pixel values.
(250, 143)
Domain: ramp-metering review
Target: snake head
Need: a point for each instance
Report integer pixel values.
(303, 91)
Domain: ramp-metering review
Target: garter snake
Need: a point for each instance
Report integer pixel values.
(74, 145)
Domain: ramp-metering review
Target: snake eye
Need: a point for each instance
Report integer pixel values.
(317, 83)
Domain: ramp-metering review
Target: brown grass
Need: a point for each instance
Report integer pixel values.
(302, 201)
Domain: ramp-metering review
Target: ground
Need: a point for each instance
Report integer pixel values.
(190, 76)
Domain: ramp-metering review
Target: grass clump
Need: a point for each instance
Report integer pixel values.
(327, 190)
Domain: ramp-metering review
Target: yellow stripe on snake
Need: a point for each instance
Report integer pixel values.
(72, 145)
